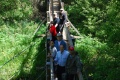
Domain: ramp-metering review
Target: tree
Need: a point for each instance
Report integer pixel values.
(99, 19)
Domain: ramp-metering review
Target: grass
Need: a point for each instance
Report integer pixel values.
(16, 38)
(13, 39)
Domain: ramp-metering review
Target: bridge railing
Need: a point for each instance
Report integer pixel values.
(49, 61)
(70, 24)
(66, 32)
(66, 36)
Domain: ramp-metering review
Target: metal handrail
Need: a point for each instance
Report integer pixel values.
(66, 33)
(51, 63)
(16, 55)
(68, 37)
(70, 21)
(73, 27)
(39, 27)
(51, 68)
(60, 2)
(19, 70)
(39, 77)
(50, 15)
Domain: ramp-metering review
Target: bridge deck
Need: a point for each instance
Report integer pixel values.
(54, 6)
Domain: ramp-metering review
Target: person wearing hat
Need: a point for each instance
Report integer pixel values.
(62, 17)
(56, 21)
(73, 65)
(59, 42)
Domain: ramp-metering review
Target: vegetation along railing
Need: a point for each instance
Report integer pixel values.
(22, 51)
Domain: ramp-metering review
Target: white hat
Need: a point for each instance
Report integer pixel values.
(48, 22)
(61, 9)
(55, 13)
(59, 34)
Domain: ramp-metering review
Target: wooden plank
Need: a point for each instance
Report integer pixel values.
(73, 27)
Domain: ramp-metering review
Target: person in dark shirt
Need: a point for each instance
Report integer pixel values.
(56, 21)
(59, 42)
(62, 17)
(73, 65)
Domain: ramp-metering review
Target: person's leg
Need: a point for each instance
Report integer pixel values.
(67, 77)
(63, 73)
(54, 38)
(59, 76)
(57, 29)
(70, 77)
(54, 69)
(62, 26)
(80, 76)
(58, 72)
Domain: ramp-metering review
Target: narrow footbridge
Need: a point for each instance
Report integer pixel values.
(54, 6)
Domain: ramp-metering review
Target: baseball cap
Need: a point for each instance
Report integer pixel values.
(61, 9)
(59, 34)
(55, 13)
(71, 48)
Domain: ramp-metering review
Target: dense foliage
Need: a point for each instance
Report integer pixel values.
(17, 26)
(99, 21)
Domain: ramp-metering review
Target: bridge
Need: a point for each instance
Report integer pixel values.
(54, 6)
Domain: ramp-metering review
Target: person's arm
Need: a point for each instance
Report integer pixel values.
(78, 64)
(56, 58)
(64, 19)
(57, 22)
(56, 25)
(54, 53)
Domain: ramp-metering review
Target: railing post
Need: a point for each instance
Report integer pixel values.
(51, 67)
(52, 7)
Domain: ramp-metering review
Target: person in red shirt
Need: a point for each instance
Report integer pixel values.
(53, 31)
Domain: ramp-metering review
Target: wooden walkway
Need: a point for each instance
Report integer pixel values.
(55, 6)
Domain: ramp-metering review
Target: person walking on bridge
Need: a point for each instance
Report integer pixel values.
(52, 50)
(60, 60)
(56, 21)
(59, 42)
(62, 17)
(73, 65)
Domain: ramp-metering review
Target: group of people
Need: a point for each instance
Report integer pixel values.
(57, 25)
(65, 59)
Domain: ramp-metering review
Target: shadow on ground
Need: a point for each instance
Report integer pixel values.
(37, 72)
